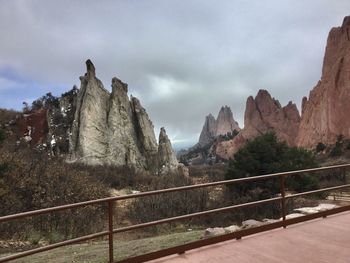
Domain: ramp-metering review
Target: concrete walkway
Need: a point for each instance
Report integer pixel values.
(320, 240)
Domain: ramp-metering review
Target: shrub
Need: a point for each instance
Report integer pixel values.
(30, 181)
(266, 155)
(337, 150)
(168, 205)
(320, 147)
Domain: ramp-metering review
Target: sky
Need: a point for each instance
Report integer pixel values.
(182, 59)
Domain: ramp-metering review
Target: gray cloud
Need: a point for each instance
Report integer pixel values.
(183, 59)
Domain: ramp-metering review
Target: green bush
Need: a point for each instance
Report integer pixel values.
(337, 150)
(266, 155)
(320, 147)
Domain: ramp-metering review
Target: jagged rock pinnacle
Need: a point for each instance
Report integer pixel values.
(109, 128)
(213, 128)
(263, 114)
(90, 69)
(118, 84)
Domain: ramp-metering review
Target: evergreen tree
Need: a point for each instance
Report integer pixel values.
(266, 155)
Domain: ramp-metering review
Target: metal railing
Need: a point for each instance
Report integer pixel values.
(196, 244)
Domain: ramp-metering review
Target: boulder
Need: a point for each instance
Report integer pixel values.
(216, 231)
(316, 209)
(293, 215)
(232, 228)
(251, 223)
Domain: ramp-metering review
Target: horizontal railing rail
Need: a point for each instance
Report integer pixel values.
(179, 249)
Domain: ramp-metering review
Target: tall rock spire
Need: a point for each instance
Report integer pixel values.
(212, 127)
(208, 130)
(225, 122)
(325, 112)
(167, 160)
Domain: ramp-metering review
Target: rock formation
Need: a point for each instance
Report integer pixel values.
(223, 124)
(324, 113)
(109, 128)
(167, 160)
(263, 114)
(208, 131)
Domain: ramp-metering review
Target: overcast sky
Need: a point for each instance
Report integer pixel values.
(182, 59)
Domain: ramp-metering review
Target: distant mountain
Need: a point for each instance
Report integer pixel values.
(224, 124)
(224, 127)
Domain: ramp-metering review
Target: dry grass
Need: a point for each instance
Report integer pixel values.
(97, 252)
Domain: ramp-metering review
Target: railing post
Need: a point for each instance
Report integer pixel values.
(110, 230)
(283, 200)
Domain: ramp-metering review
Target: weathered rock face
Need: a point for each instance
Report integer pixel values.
(225, 122)
(90, 133)
(166, 155)
(111, 129)
(325, 113)
(208, 130)
(212, 127)
(263, 114)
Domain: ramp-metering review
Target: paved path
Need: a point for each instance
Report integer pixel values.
(317, 241)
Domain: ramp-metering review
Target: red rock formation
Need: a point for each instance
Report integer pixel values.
(325, 113)
(33, 126)
(263, 114)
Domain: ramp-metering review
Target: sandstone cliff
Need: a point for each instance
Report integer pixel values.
(324, 113)
(222, 125)
(109, 128)
(263, 114)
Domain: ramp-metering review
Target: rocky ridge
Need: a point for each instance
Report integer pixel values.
(110, 129)
(224, 127)
(263, 114)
